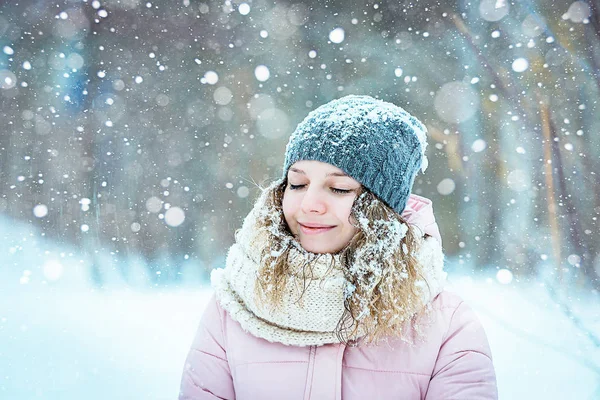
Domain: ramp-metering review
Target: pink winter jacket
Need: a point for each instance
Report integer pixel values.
(452, 362)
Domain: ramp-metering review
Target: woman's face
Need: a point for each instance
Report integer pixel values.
(316, 205)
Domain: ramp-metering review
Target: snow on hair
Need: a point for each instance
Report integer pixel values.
(383, 290)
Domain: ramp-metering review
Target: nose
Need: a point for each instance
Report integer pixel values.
(313, 202)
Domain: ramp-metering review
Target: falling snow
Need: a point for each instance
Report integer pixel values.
(136, 136)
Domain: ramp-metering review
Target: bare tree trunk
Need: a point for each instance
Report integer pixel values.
(573, 225)
(551, 203)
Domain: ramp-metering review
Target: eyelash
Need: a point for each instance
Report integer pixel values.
(334, 190)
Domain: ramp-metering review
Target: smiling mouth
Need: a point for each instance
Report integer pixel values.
(313, 230)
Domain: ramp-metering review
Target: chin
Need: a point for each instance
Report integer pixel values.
(318, 249)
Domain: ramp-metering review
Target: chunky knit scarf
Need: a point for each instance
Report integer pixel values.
(314, 304)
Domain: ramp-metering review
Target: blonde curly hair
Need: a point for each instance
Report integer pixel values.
(379, 265)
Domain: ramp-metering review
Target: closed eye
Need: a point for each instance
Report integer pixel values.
(334, 190)
(341, 191)
(294, 187)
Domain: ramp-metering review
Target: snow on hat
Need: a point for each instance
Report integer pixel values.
(377, 143)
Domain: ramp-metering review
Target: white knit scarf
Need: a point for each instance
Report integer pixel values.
(314, 302)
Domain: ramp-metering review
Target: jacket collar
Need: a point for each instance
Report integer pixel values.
(419, 212)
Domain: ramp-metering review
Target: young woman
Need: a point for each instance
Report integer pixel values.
(334, 287)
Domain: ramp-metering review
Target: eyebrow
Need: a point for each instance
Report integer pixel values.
(299, 171)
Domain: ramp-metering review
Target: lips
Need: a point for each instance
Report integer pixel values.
(314, 229)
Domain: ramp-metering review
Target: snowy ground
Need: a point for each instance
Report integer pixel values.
(66, 340)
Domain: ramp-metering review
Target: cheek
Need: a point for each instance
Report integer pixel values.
(288, 206)
(344, 212)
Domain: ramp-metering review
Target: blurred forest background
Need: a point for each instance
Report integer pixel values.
(139, 131)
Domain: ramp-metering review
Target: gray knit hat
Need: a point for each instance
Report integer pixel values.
(377, 143)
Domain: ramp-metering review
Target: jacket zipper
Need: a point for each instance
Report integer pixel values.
(310, 371)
